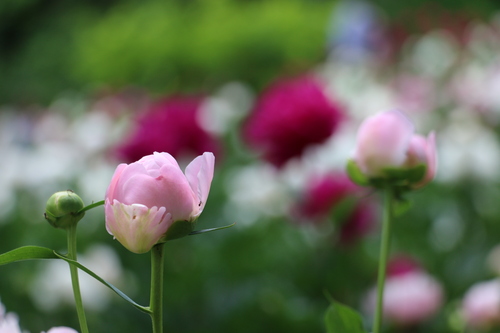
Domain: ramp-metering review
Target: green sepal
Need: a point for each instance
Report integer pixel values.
(401, 206)
(405, 175)
(340, 318)
(178, 229)
(400, 178)
(355, 174)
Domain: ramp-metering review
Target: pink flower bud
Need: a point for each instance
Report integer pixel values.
(387, 141)
(145, 198)
(383, 142)
(481, 305)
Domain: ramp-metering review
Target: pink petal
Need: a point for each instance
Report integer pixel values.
(136, 226)
(199, 174)
(382, 142)
(110, 192)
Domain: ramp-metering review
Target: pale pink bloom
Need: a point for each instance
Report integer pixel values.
(409, 298)
(9, 323)
(387, 140)
(146, 197)
(481, 304)
(61, 329)
(383, 141)
(422, 150)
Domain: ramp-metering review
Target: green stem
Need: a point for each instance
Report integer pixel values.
(95, 204)
(384, 254)
(156, 297)
(74, 279)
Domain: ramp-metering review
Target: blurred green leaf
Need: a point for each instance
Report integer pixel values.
(342, 319)
(104, 282)
(27, 253)
(38, 252)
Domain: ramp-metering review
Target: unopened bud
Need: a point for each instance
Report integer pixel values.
(62, 209)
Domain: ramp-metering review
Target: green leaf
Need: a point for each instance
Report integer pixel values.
(27, 253)
(196, 232)
(356, 174)
(104, 282)
(342, 319)
(38, 252)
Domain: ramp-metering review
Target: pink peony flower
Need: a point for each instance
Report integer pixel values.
(411, 296)
(289, 117)
(387, 140)
(481, 305)
(145, 198)
(168, 125)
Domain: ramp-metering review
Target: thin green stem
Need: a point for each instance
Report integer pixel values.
(93, 205)
(156, 297)
(384, 254)
(71, 233)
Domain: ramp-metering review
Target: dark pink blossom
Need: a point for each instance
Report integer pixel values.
(402, 264)
(169, 125)
(324, 194)
(290, 116)
(359, 222)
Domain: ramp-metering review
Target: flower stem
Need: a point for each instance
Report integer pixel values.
(156, 297)
(93, 205)
(384, 254)
(71, 233)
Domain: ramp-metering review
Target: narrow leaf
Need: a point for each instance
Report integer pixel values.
(342, 319)
(107, 284)
(38, 252)
(26, 253)
(196, 232)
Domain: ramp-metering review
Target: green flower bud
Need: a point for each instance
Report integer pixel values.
(62, 209)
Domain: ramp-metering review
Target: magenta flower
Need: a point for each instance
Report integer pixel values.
(324, 194)
(359, 222)
(168, 125)
(289, 117)
(386, 141)
(146, 198)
